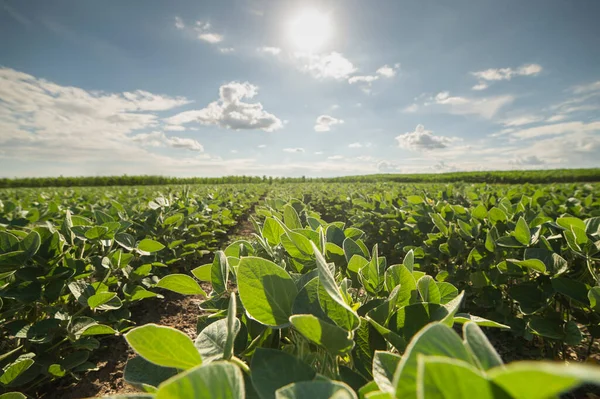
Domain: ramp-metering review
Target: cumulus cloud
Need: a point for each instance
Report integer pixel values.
(355, 145)
(335, 157)
(200, 30)
(362, 79)
(159, 139)
(325, 122)
(226, 50)
(528, 160)
(412, 108)
(294, 150)
(388, 71)
(485, 107)
(231, 112)
(333, 65)
(423, 140)
(387, 167)
(262, 146)
(496, 74)
(179, 23)
(269, 50)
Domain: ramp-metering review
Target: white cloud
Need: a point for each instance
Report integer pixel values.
(423, 140)
(508, 73)
(269, 50)
(522, 120)
(411, 109)
(496, 74)
(210, 37)
(556, 118)
(486, 107)
(387, 167)
(231, 112)
(388, 71)
(174, 128)
(159, 139)
(226, 50)
(480, 86)
(335, 157)
(325, 122)
(318, 152)
(234, 151)
(557, 129)
(355, 145)
(333, 65)
(294, 150)
(587, 88)
(179, 23)
(362, 79)
(262, 146)
(528, 160)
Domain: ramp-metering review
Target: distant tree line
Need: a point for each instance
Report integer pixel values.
(507, 177)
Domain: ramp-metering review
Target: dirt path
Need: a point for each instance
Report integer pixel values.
(174, 310)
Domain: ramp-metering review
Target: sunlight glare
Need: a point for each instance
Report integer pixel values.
(310, 29)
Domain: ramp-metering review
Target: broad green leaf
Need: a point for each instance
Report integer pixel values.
(148, 245)
(409, 260)
(266, 290)
(14, 370)
(439, 222)
(331, 337)
(429, 290)
(13, 395)
(316, 390)
(541, 380)
(219, 272)
(356, 263)
(549, 327)
(31, 244)
(414, 199)
(442, 377)
(212, 340)
(462, 318)
(272, 231)
(290, 218)
(351, 248)
(176, 218)
(485, 354)
(125, 240)
(594, 298)
(446, 312)
(100, 298)
(568, 222)
(217, 380)
(307, 300)
(571, 288)
(533, 264)
(384, 367)
(399, 275)
(164, 346)
(138, 371)
(522, 233)
(480, 212)
(327, 281)
(434, 340)
(497, 215)
(273, 369)
(203, 272)
(447, 292)
(181, 284)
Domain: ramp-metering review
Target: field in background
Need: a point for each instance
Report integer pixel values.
(505, 177)
(82, 266)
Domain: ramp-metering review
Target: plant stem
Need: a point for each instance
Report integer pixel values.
(241, 364)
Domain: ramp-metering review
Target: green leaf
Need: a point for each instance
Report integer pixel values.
(316, 390)
(343, 314)
(462, 318)
(571, 288)
(568, 222)
(400, 275)
(522, 233)
(164, 346)
(329, 336)
(480, 346)
(497, 215)
(533, 264)
(100, 298)
(173, 219)
(594, 298)
(13, 395)
(14, 370)
(439, 222)
(31, 244)
(409, 260)
(212, 341)
(351, 249)
(480, 212)
(96, 233)
(290, 218)
(203, 272)
(233, 327)
(140, 372)
(441, 377)
(428, 290)
(541, 380)
(148, 245)
(447, 292)
(414, 199)
(266, 290)
(272, 231)
(384, 367)
(125, 240)
(217, 380)
(181, 284)
(549, 327)
(273, 369)
(219, 272)
(434, 340)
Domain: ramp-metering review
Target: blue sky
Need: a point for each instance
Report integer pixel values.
(210, 88)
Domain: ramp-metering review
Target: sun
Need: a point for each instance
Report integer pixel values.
(310, 30)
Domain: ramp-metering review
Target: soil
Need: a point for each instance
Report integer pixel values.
(174, 310)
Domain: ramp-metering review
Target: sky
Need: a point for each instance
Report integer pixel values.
(293, 88)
